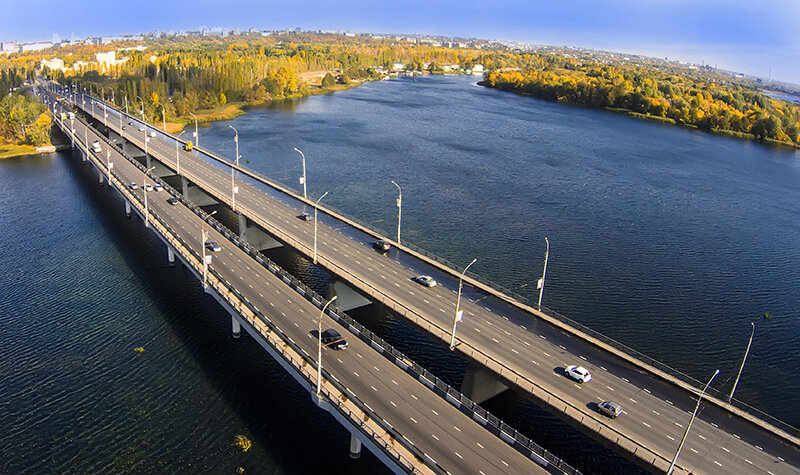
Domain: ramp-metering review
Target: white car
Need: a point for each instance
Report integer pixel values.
(148, 187)
(578, 373)
(425, 280)
(158, 187)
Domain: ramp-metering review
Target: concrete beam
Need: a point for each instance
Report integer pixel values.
(480, 384)
(255, 236)
(195, 194)
(346, 298)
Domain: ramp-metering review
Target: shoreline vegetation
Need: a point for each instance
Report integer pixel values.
(709, 104)
(177, 79)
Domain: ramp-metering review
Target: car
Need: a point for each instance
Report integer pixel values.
(332, 338)
(305, 217)
(382, 245)
(578, 373)
(610, 408)
(130, 122)
(158, 187)
(425, 280)
(152, 134)
(134, 186)
(148, 187)
(141, 129)
(172, 200)
(213, 246)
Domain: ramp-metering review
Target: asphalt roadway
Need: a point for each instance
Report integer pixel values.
(655, 412)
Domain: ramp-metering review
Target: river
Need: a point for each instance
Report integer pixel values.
(669, 240)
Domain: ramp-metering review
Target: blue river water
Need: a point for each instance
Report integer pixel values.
(668, 240)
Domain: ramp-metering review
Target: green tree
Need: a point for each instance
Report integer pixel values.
(328, 80)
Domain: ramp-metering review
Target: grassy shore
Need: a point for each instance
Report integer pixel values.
(11, 150)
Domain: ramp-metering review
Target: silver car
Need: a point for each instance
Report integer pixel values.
(425, 280)
(610, 408)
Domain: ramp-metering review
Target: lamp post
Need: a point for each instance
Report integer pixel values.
(303, 178)
(540, 283)
(144, 185)
(139, 97)
(319, 347)
(459, 313)
(399, 208)
(203, 247)
(109, 165)
(233, 186)
(196, 135)
(689, 426)
(177, 152)
(163, 116)
(735, 383)
(126, 103)
(316, 205)
(83, 98)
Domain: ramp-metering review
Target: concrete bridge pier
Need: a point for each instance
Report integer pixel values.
(254, 236)
(100, 176)
(127, 208)
(170, 255)
(195, 194)
(355, 447)
(480, 384)
(236, 327)
(346, 297)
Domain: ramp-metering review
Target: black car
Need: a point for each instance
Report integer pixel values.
(382, 245)
(332, 338)
(305, 217)
(173, 201)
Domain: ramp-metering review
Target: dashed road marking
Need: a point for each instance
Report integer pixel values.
(726, 450)
(609, 387)
(394, 382)
(374, 388)
(648, 425)
(582, 357)
(534, 362)
(456, 428)
(479, 445)
(357, 376)
(717, 463)
(434, 436)
(392, 403)
(458, 455)
(414, 420)
(701, 436)
(542, 337)
(632, 400)
(514, 351)
(434, 412)
(693, 450)
(603, 368)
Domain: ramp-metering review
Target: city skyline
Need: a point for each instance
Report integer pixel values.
(755, 39)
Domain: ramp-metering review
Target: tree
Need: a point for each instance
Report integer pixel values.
(343, 79)
(328, 80)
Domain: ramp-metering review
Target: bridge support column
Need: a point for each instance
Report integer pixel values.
(170, 255)
(254, 236)
(480, 384)
(184, 187)
(347, 298)
(355, 447)
(236, 327)
(147, 161)
(127, 208)
(100, 176)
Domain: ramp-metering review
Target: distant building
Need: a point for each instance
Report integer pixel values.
(106, 60)
(53, 64)
(477, 69)
(35, 46)
(398, 66)
(8, 47)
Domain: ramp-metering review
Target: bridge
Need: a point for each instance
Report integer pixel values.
(412, 421)
(508, 343)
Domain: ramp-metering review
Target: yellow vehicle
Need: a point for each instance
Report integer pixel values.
(188, 146)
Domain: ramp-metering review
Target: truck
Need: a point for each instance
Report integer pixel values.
(188, 146)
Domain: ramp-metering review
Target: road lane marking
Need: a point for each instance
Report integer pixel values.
(495, 340)
(542, 337)
(514, 351)
(374, 388)
(392, 403)
(693, 450)
(717, 463)
(582, 357)
(414, 420)
(434, 412)
(526, 343)
(456, 428)
(534, 362)
(395, 382)
(670, 437)
(357, 376)
(668, 402)
(737, 436)
(751, 463)
(434, 436)
(759, 448)
(678, 424)
(648, 425)
(603, 368)
(479, 445)
(577, 386)
(504, 462)
(562, 347)
(726, 450)
(458, 454)
(376, 368)
(646, 390)
(546, 354)
(702, 436)
(609, 387)
(415, 397)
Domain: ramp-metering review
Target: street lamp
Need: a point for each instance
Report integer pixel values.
(735, 383)
(196, 136)
(540, 283)
(319, 347)
(315, 225)
(144, 185)
(459, 313)
(303, 178)
(139, 97)
(689, 426)
(177, 152)
(399, 208)
(163, 116)
(206, 261)
(109, 165)
(234, 190)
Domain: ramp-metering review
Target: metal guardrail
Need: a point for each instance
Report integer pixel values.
(496, 426)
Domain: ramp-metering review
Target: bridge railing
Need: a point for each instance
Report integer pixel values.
(358, 422)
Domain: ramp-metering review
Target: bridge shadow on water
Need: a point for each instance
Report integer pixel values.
(254, 394)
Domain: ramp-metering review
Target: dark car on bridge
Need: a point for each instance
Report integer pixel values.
(213, 246)
(382, 245)
(332, 338)
(305, 217)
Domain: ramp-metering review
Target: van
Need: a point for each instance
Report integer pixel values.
(96, 146)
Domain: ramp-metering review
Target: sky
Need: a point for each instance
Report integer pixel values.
(756, 37)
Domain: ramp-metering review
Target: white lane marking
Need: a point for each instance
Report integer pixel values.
(562, 347)
(632, 400)
(537, 364)
(737, 436)
(442, 310)
(392, 403)
(646, 390)
(626, 380)
(751, 463)
(458, 454)
(546, 354)
(702, 436)
(693, 450)
(577, 386)
(376, 368)
(717, 463)
(603, 368)
(678, 424)
(359, 355)
(394, 382)
(357, 376)
(374, 388)
(339, 360)
(715, 426)
(456, 428)
(669, 402)
(648, 425)
(514, 351)
(726, 450)
(434, 436)
(609, 387)
(670, 437)
(495, 340)
(526, 343)
(542, 337)
(582, 357)
(424, 300)
(414, 420)
(479, 445)
(759, 448)
(415, 397)
(434, 412)
(476, 329)
(504, 462)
